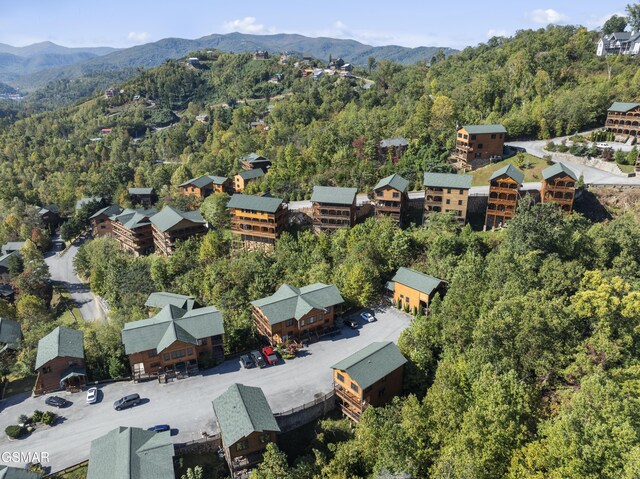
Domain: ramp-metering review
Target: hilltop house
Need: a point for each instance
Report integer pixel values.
(623, 119)
(390, 196)
(243, 178)
(174, 341)
(257, 220)
(253, 161)
(246, 425)
(132, 229)
(50, 217)
(10, 335)
(504, 193)
(392, 147)
(448, 193)
(295, 313)
(559, 186)
(101, 220)
(261, 55)
(143, 196)
(477, 145)
(205, 186)
(370, 377)
(619, 43)
(60, 361)
(132, 453)
(161, 299)
(333, 207)
(171, 225)
(413, 289)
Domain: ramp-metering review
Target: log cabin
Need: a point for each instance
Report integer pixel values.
(559, 186)
(60, 361)
(172, 225)
(414, 291)
(477, 145)
(447, 193)
(258, 221)
(333, 207)
(504, 193)
(390, 197)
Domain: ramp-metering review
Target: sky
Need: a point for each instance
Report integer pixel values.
(411, 23)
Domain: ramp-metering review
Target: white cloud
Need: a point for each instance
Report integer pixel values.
(138, 37)
(594, 21)
(497, 33)
(547, 16)
(245, 25)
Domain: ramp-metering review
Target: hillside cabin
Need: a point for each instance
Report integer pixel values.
(247, 425)
(478, 145)
(144, 197)
(504, 193)
(392, 149)
(100, 221)
(372, 376)
(390, 197)
(171, 225)
(619, 43)
(559, 186)
(253, 161)
(623, 119)
(413, 291)
(258, 221)
(333, 207)
(446, 193)
(261, 55)
(60, 361)
(160, 299)
(10, 335)
(133, 230)
(242, 179)
(50, 217)
(297, 313)
(205, 186)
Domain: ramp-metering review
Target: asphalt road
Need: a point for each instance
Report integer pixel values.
(63, 275)
(186, 404)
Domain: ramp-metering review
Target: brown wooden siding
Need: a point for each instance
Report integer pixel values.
(49, 374)
(474, 151)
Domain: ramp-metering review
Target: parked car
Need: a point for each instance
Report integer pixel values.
(368, 317)
(351, 323)
(160, 428)
(55, 401)
(127, 401)
(270, 354)
(257, 357)
(92, 395)
(247, 362)
(603, 146)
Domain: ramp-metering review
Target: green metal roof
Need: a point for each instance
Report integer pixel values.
(141, 191)
(393, 142)
(293, 303)
(254, 158)
(480, 129)
(242, 410)
(334, 195)
(447, 180)
(169, 217)
(395, 181)
(171, 324)
(4, 259)
(621, 107)
(251, 174)
(60, 343)
(111, 210)
(132, 219)
(7, 472)
(84, 201)
(12, 246)
(416, 280)
(10, 334)
(132, 453)
(372, 363)
(511, 171)
(161, 299)
(557, 169)
(267, 204)
(202, 181)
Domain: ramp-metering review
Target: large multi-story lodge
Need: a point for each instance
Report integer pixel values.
(257, 220)
(623, 119)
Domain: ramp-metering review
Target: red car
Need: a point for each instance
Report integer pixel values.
(270, 355)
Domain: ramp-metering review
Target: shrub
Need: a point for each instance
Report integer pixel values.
(37, 416)
(23, 419)
(13, 432)
(48, 418)
(551, 146)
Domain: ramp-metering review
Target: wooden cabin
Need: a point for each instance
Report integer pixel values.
(242, 179)
(413, 290)
(133, 230)
(172, 225)
(254, 161)
(623, 119)
(145, 197)
(333, 208)
(559, 186)
(60, 361)
(447, 193)
(477, 145)
(390, 196)
(101, 220)
(205, 186)
(258, 221)
(504, 193)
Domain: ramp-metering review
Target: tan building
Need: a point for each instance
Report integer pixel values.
(476, 145)
(447, 193)
(297, 313)
(559, 186)
(623, 119)
(132, 229)
(206, 185)
(390, 196)
(247, 425)
(243, 178)
(372, 376)
(333, 207)
(504, 193)
(60, 361)
(414, 290)
(171, 225)
(258, 220)
(101, 223)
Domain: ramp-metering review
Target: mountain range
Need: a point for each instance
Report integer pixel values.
(34, 66)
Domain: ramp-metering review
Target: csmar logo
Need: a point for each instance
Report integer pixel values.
(25, 457)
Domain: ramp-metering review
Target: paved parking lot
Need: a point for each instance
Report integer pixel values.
(186, 404)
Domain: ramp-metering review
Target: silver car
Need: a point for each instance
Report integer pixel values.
(92, 395)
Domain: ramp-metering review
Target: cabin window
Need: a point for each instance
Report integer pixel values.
(154, 365)
(379, 193)
(189, 351)
(355, 387)
(396, 195)
(461, 192)
(448, 201)
(264, 438)
(480, 145)
(288, 322)
(473, 137)
(180, 353)
(493, 136)
(459, 202)
(340, 377)
(166, 356)
(46, 370)
(242, 445)
(152, 353)
(302, 322)
(202, 342)
(381, 393)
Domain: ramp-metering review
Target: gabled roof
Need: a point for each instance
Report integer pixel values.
(557, 169)
(84, 201)
(416, 280)
(171, 324)
(447, 180)
(10, 334)
(267, 204)
(12, 246)
(372, 363)
(621, 107)
(290, 302)
(334, 195)
(205, 180)
(511, 171)
(132, 219)
(160, 299)
(132, 453)
(393, 142)
(480, 129)
(141, 191)
(254, 158)
(251, 174)
(111, 210)
(242, 410)
(60, 343)
(395, 181)
(7, 472)
(4, 259)
(169, 217)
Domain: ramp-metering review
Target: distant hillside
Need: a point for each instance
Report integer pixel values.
(153, 54)
(47, 48)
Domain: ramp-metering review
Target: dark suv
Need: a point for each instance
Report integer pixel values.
(127, 401)
(258, 359)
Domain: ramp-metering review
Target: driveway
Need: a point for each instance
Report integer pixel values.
(186, 404)
(63, 275)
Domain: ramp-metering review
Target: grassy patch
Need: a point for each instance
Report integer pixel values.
(66, 309)
(19, 386)
(481, 175)
(626, 168)
(79, 472)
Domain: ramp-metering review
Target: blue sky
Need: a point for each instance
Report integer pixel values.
(121, 23)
